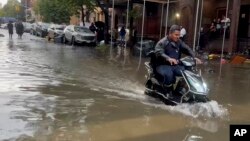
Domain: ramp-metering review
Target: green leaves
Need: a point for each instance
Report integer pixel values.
(56, 11)
(59, 11)
(78, 4)
(11, 9)
(1, 12)
(82, 6)
(135, 12)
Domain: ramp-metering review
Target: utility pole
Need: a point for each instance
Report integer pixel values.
(26, 8)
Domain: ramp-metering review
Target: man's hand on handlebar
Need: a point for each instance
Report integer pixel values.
(198, 61)
(172, 61)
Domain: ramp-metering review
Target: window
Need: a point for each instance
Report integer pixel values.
(82, 29)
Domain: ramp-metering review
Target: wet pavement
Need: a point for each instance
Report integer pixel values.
(56, 92)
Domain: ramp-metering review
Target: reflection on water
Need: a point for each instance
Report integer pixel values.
(56, 92)
(192, 138)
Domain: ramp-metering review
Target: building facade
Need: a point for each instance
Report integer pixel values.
(183, 12)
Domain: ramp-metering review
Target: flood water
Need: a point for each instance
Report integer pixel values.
(55, 92)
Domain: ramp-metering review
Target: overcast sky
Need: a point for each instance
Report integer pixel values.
(4, 2)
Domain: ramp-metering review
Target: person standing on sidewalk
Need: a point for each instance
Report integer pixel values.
(183, 33)
(122, 35)
(10, 29)
(20, 29)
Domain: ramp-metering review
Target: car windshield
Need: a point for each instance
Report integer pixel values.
(27, 24)
(58, 27)
(45, 25)
(82, 29)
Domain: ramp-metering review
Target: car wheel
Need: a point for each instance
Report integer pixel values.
(73, 41)
(64, 40)
(93, 44)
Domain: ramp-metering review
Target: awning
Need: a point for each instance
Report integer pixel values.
(163, 1)
(156, 1)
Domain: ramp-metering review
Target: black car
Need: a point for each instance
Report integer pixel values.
(147, 46)
(42, 29)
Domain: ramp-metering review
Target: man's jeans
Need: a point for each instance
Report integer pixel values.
(169, 73)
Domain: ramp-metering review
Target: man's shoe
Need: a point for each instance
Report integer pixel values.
(169, 91)
(170, 95)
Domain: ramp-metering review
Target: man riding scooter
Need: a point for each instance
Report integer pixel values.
(170, 49)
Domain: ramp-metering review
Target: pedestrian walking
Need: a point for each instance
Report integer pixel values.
(19, 29)
(134, 35)
(183, 33)
(212, 31)
(92, 28)
(122, 35)
(202, 40)
(10, 29)
(226, 25)
(218, 28)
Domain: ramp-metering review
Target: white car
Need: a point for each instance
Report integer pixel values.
(55, 31)
(4, 26)
(147, 46)
(33, 28)
(27, 27)
(78, 34)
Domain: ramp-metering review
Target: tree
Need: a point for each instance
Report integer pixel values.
(12, 9)
(59, 11)
(56, 11)
(80, 6)
(1, 12)
(104, 5)
(134, 14)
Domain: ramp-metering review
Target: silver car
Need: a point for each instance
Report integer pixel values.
(27, 27)
(78, 34)
(55, 31)
(33, 28)
(147, 46)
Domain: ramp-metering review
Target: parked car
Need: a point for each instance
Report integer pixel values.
(33, 29)
(56, 31)
(78, 34)
(42, 29)
(27, 27)
(147, 46)
(4, 26)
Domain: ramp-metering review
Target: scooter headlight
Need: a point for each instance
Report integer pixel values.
(198, 86)
(204, 85)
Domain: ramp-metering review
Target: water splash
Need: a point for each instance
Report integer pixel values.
(193, 138)
(130, 90)
(207, 110)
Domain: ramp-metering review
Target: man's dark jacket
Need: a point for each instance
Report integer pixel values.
(166, 49)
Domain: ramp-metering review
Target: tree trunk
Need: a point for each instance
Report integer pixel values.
(106, 29)
(131, 25)
(83, 16)
(104, 8)
(87, 16)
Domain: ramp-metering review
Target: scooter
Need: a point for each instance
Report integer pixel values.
(189, 88)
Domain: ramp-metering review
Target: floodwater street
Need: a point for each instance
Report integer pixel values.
(56, 92)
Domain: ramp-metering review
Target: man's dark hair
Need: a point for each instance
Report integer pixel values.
(174, 28)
